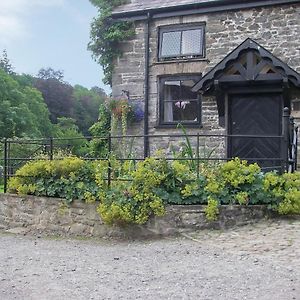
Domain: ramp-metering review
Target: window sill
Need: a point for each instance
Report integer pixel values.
(176, 61)
(175, 126)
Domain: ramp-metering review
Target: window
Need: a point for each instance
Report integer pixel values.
(296, 105)
(181, 42)
(178, 104)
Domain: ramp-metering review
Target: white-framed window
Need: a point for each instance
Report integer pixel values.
(180, 42)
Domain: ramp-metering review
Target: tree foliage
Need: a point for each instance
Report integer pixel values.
(29, 104)
(58, 94)
(70, 138)
(64, 100)
(23, 112)
(50, 73)
(106, 34)
(86, 107)
(100, 130)
(5, 64)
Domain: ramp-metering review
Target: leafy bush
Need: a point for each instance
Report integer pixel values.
(69, 178)
(212, 209)
(141, 190)
(137, 193)
(236, 182)
(131, 197)
(100, 130)
(285, 190)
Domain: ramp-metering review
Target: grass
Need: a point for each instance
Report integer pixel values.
(1, 188)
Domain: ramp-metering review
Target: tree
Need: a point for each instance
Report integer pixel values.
(23, 112)
(5, 64)
(58, 94)
(70, 137)
(86, 107)
(98, 90)
(49, 73)
(25, 79)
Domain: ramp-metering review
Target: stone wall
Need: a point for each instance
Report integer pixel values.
(49, 216)
(276, 28)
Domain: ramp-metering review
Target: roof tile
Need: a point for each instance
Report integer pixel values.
(139, 5)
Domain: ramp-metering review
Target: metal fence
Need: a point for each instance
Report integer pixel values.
(197, 148)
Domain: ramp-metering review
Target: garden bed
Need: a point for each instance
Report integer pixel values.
(52, 216)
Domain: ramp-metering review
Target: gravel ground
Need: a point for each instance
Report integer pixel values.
(251, 262)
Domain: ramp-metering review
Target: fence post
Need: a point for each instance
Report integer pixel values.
(286, 139)
(291, 134)
(296, 147)
(198, 155)
(5, 166)
(51, 148)
(109, 165)
(293, 145)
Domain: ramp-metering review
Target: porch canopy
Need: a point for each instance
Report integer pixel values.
(249, 65)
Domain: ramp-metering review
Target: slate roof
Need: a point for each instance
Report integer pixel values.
(137, 7)
(140, 5)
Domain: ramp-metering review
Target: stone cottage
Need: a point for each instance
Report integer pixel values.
(219, 67)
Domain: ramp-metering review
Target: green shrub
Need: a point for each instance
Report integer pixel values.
(212, 209)
(141, 190)
(285, 190)
(237, 182)
(70, 178)
(136, 193)
(132, 201)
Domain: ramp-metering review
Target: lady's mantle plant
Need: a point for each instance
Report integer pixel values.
(106, 34)
(69, 178)
(131, 197)
(141, 190)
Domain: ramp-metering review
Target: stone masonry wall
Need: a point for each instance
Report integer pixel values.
(276, 28)
(49, 216)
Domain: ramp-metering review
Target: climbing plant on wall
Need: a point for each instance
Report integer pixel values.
(106, 34)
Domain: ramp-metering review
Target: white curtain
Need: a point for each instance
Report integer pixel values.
(168, 106)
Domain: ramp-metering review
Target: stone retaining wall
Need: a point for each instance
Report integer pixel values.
(49, 216)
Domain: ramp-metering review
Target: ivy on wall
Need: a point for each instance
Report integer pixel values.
(106, 34)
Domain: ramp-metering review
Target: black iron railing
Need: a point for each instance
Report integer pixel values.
(202, 148)
(286, 161)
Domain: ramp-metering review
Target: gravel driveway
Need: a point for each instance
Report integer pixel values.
(251, 262)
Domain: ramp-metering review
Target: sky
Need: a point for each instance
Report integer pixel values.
(50, 33)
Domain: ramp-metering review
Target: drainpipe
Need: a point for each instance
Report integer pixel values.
(147, 62)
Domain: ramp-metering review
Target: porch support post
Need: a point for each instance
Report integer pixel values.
(285, 139)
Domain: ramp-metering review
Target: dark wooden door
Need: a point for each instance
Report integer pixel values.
(255, 114)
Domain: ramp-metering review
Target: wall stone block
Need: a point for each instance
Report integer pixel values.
(51, 216)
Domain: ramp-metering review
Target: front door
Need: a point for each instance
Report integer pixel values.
(255, 114)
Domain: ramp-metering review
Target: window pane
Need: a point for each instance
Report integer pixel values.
(186, 89)
(296, 106)
(172, 90)
(171, 43)
(185, 111)
(192, 42)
